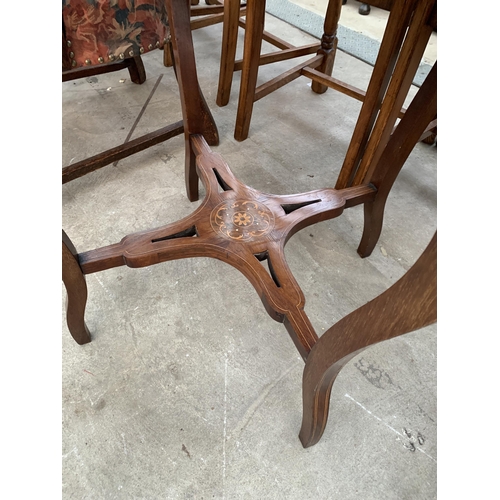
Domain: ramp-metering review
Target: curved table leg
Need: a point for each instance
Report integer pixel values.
(419, 114)
(76, 288)
(409, 304)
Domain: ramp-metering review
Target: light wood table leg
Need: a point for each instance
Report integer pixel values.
(256, 10)
(228, 53)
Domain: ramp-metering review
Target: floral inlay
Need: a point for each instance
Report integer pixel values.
(241, 219)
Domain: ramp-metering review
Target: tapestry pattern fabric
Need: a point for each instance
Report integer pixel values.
(102, 31)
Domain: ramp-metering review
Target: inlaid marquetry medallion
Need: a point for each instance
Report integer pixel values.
(241, 220)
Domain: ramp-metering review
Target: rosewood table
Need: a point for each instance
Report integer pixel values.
(246, 228)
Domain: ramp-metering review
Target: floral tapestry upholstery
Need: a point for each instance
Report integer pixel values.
(102, 31)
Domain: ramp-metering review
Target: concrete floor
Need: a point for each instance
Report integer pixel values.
(189, 390)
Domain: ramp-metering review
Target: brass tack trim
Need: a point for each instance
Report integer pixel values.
(88, 61)
(111, 57)
(72, 55)
(131, 53)
(73, 63)
(122, 56)
(68, 43)
(141, 50)
(157, 44)
(150, 47)
(101, 60)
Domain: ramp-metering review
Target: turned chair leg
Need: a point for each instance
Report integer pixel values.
(76, 289)
(329, 43)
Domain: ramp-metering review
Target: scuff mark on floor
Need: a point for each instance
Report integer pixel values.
(407, 435)
(185, 450)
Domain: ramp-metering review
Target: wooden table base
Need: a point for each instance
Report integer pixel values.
(240, 226)
(246, 229)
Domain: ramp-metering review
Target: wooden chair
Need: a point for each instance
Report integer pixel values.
(254, 34)
(246, 228)
(396, 65)
(94, 45)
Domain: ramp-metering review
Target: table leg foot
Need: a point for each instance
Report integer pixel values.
(76, 289)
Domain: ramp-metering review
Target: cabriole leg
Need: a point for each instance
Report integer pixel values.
(76, 289)
(409, 304)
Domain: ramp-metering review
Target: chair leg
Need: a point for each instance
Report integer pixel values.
(253, 43)
(76, 289)
(136, 70)
(228, 53)
(408, 305)
(168, 59)
(329, 42)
